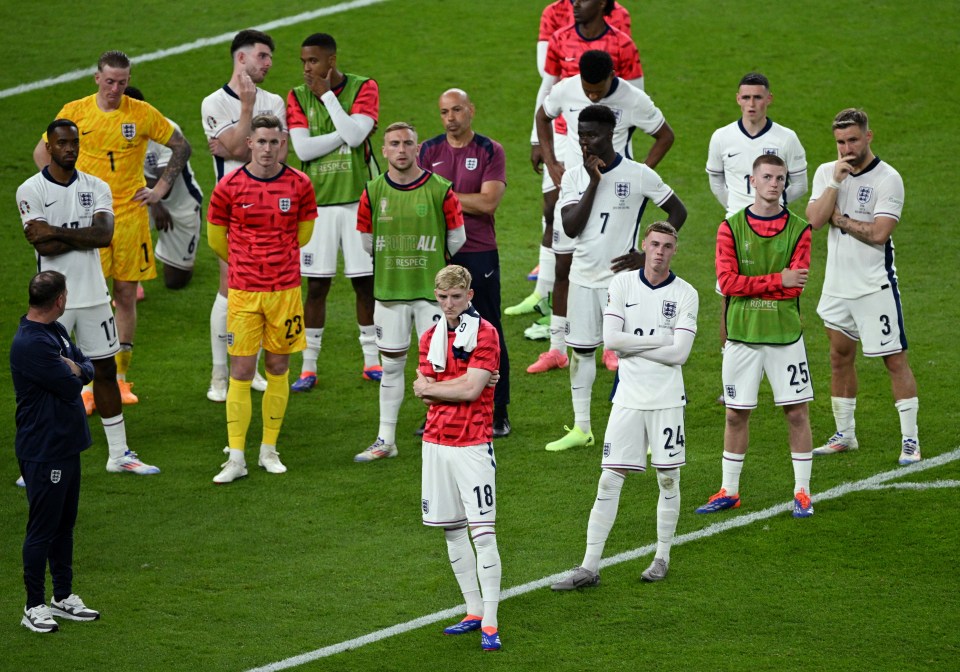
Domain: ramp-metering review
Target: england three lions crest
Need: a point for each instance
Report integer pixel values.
(86, 199)
(622, 190)
(284, 205)
(864, 194)
(128, 131)
(471, 163)
(669, 309)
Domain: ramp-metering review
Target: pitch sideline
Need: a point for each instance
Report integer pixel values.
(875, 482)
(190, 46)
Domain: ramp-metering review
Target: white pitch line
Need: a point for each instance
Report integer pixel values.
(874, 482)
(190, 46)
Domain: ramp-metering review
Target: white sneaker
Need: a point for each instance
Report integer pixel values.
(259, 383)
(218, 390)
(270, 460)
(72, 608)
(910, 453)
(131, 464)
(537, 332)
(39, 619)
(230, 470)
(378, 450)
(657, 571)
(838, 443)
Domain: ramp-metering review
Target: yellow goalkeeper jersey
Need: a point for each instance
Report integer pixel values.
(114, 144)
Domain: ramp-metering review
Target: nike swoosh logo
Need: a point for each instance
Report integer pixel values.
(489, 566)
(576, 388)
(47, 205)
(246, 205)
(731, 155)
(437, 163)
(144, 270)
(674, 497)
(483, 513)
(801, 389)
(487, 275)
(883, 343)
(603, 499)
(673, 454)
(273, 418)
(631, 305)
(569, 58)
(453, 562)
(85, 132)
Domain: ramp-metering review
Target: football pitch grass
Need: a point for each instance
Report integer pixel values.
(232, 578)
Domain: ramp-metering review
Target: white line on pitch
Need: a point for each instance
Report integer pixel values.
(875, 482)
(190, 46)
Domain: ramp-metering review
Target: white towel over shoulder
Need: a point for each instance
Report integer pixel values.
(464, 341)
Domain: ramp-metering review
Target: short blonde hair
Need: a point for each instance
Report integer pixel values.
(661, 227)
(453, 277)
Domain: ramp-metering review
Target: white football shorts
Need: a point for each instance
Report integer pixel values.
(458, 485)
(786, 367)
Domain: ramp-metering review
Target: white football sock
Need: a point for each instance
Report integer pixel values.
(547, 272)
(732, 466)
(583, 371)
(558, 332)
(218, 332)
(312, 352)
(391, 396)
(802, 466)
(489, 572)
(843, 410)
(907, 409)
(668, 510)
(602, 516)
(464, 565)
(368, 344)
(116, 432)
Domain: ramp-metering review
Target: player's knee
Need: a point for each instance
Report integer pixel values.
(176, 278)
(105, 369)
(737, 418)
(797, 414)
(611, 482)
(668, 479)
(317, 289)
(484, 536)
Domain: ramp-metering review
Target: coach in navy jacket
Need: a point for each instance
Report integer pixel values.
(49, 372)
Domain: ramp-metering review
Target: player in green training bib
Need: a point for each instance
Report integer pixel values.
(410, 221)
(763, 259)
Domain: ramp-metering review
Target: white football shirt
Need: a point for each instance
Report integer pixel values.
(855, 268)
(70, 205)
(185, 194)
(614, 221)
(221, 110)
(667, 308)
(733, 151)
(632, 107)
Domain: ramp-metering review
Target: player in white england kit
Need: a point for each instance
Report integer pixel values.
(861, 198)
(67, 215)
(734, 147)
(176, 217)
(601, 204)
(226, 115)
(596, 84)
(650, 320)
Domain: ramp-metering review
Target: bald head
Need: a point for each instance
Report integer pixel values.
(456, 113)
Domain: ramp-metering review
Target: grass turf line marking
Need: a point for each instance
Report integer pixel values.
(190, 46)
(875, 482)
